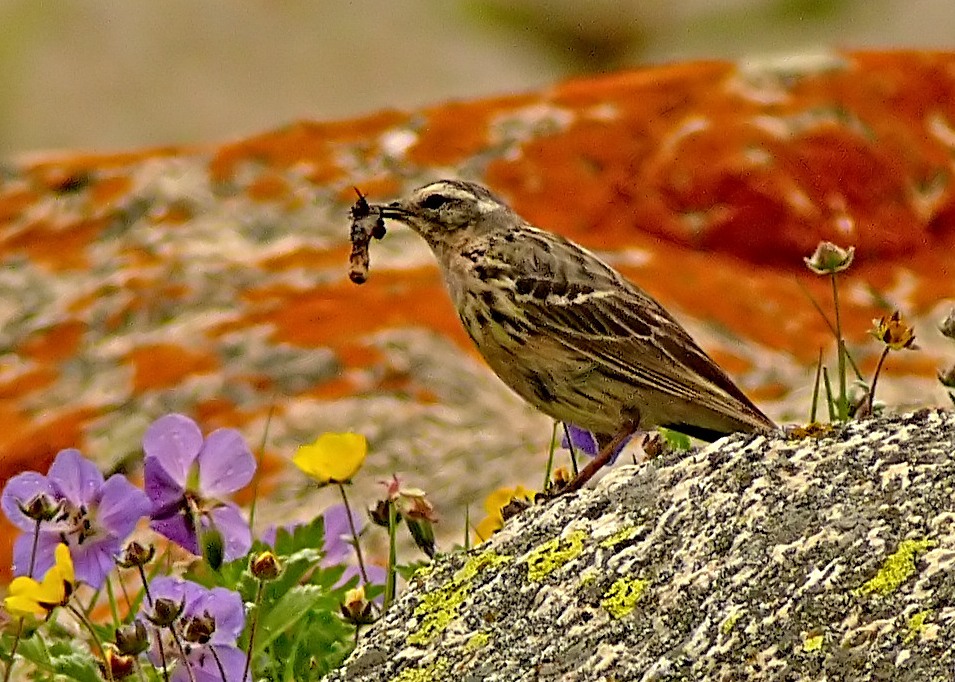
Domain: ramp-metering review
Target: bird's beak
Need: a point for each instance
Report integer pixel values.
(394, 210)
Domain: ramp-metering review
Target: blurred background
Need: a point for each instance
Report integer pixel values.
(113, 74)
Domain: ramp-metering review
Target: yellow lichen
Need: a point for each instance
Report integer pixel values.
(553, 554)
(620, 536)
(439, 607)
(730, 622)
(916, 625)
(429, 673)
(478, 640)
(896, 569)
(623, 596)
(813, 642)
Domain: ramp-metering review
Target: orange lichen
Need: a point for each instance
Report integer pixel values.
(268, 187)
(107, 191)
(307, 257)
(164, 365)
(456, 130)
(56, 343)
(57, 247)
(305, 142)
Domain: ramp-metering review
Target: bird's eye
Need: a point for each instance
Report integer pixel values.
(435, 201)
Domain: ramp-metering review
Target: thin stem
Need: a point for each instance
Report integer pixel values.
(258, 465)
(111, 597)
(550, 457)
(875, 377)
(391, 578)
(843, 393)
(16, 638)
(467, 527)
(255, 620)
(215, 657)
(13, 650)
(182, 650)
(815, 389)
(36, 540)
(570, 446)
(84, 621)
(822, 314)
(354, 534)
(142, 576)
(828, 385)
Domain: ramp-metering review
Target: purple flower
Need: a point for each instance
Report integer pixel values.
(337, 544)
(586, 442)
(209, 625)
(94, 517)
(339, 547)
(187, 478)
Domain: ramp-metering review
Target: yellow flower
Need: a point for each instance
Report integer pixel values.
(333, 457)
(893, 332)
(27, 596)
(494, 505)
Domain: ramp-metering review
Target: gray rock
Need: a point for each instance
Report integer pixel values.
(753, 559)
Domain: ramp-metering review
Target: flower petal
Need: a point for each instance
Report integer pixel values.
(175, 528)
(225, 463)
(163, 490)
(75, 477)
(205, 668)
(95, 559)
(582, 440)
(19, 490)
(236, 535)
(225, 607)
(45, 547)
(121, 506)
(333, 457)
(175, 441)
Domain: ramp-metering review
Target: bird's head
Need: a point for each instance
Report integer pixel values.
(446, 211)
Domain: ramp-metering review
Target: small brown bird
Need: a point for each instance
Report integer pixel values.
(564, 330)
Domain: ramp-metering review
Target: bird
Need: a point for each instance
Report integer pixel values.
(566, 331)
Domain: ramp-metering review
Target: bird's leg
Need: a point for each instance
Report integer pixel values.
(603, 456)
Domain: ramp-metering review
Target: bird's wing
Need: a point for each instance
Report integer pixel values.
(592, 309)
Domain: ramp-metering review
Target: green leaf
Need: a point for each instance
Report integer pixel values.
(676, 440)
(294, 607)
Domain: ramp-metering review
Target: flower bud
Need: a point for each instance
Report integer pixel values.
(199, 629)
(116, 666)
(165, 612)
(265, 566)
(134, 554)
(132, 639)
(829, 259)
(356, 609)
(41, 507)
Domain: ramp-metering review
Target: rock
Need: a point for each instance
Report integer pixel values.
(752, 559)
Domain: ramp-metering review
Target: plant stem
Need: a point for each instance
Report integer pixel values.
(391, 579)
(875, 377)
(843, 393)
(16, 638)
(570, 446)
(255, 620)
(550, 457)
(258, 465)
(354, 534)
(84, 621)
(815, 389)
(828, 385)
